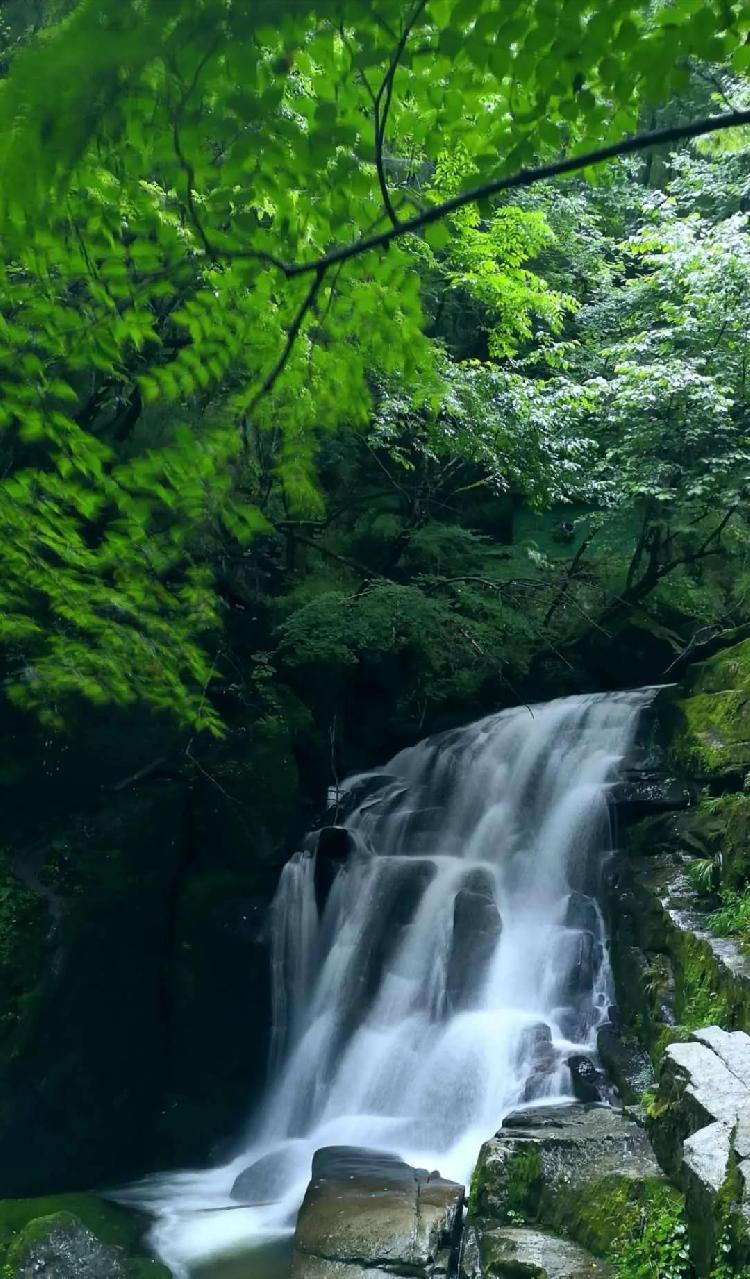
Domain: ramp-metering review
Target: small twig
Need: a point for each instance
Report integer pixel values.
(147, 771)
(186, 164)
(291, 337)
(382, 105)
(570, 574)
(334, 770)
(333, 555)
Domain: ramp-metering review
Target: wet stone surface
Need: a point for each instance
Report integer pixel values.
(514, 1252)
(365, 1212)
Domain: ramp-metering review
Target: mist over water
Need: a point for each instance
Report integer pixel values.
(458, 961)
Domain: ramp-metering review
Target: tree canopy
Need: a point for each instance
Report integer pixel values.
(279, 282)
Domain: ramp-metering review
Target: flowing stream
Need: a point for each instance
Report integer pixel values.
(458, 961)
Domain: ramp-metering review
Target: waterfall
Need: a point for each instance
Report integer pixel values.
(460, 958)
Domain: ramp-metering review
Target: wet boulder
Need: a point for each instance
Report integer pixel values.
(585, 958)
(643, 792)
(626, 1061)
(268, 1178)
(537, 1056)
(365, 1213)
(476, 931)
(332, 846)
(578, 957)
(588, 1083)
(582, 912)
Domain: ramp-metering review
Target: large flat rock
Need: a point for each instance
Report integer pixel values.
(365, 1212)
(731, 1047)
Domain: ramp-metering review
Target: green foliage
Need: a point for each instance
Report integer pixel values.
(702, 1003)
(724, 1266)
(445, 652)
(657, 1248)
(175, 361)
(732, 918)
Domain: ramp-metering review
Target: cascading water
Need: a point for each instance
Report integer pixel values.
(458, 962)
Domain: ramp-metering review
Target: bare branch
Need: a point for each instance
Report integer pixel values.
(570, 574)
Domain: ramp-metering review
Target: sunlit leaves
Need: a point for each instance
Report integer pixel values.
(165, 166)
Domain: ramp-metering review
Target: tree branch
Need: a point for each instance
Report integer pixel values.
(187, 166)
(515, 181)
(382, 105)
(360, 569)
(582, 549)
(308, 303)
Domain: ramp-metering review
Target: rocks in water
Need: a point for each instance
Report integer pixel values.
(62, 1248)
(586, 1171)
(626, 1061)
(581, 911)
(332, 846)
(59, 1246)
(513, 1252)
(268, 1178)
(700, 1123)
(642, 792)
(538, 1057)
(75, 1236)
(588, 1083)
(476, 930)
(366, 1212)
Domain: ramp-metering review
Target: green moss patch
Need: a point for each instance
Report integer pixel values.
(23, 1219)
(525, 1183)
(605, 1215)
(712, 724)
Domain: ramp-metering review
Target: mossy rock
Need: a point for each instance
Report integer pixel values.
(696, 1119)
(102, 1229)
(661, 946)
(602, 1214)
(585, 1172)
(513, 1252)
(717, 827)
(711, 739)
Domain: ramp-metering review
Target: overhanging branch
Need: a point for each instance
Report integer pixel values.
(514, 181)
(319, 267)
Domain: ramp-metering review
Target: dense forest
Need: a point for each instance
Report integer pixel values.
(365, 369)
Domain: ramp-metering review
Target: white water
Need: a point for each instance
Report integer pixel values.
(402, 1021)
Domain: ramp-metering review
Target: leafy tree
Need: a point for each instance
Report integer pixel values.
(215, 218)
